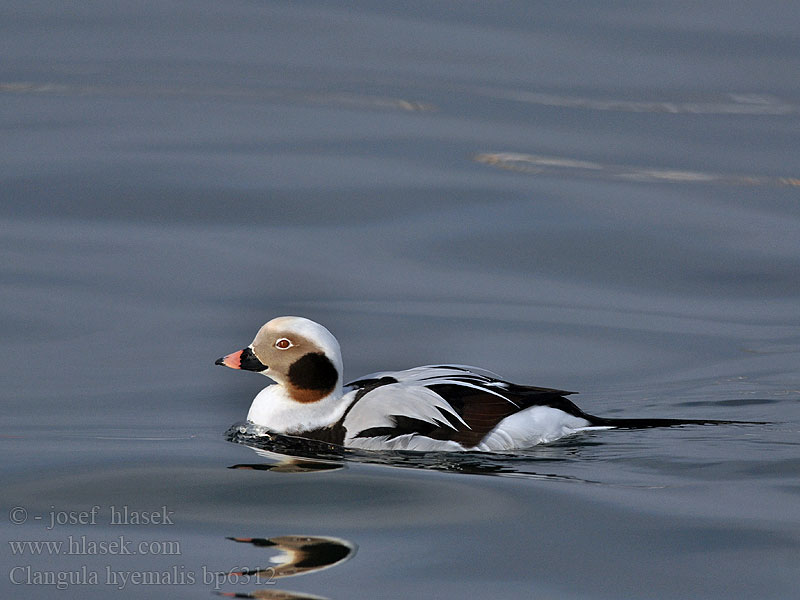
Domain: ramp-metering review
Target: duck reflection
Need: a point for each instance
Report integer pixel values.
(299, 554)
(290, 465)
(296, 555)
(273, 595)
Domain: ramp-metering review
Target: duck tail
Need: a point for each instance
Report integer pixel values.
(647, 423)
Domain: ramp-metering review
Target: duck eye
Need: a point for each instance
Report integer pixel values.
(283, 344)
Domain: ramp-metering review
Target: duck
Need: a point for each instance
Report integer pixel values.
(447, 407)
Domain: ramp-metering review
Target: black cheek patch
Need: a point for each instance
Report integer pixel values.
(313, 371)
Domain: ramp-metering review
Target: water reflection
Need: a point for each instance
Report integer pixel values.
(273, 595)
(574, 168)
(328, 98)
(721, 104)
(299, 554)
(296, 555)
(291, 465)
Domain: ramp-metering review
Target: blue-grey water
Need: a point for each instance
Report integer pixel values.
(597, 197)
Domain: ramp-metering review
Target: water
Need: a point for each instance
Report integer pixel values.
(601, 199)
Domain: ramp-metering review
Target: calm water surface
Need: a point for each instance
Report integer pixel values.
(600, 198)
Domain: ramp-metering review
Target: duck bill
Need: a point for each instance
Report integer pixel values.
(242, 359)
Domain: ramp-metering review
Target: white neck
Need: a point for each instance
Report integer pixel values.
(274, 409)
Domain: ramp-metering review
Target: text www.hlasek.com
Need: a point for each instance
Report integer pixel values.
(83, 546)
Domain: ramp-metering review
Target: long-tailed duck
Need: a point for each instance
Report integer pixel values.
(435, 407)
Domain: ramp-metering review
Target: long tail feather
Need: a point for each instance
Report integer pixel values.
(646, 423)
